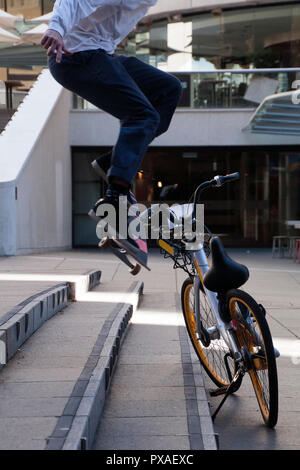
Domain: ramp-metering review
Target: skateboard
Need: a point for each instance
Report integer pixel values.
(122, 248)
(118, 249)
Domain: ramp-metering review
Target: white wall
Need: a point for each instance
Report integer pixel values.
(44, 205)
(189, 127)
(8, 227)
(35, 173)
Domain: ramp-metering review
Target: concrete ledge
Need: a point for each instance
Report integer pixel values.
(22, 321)
(81, 431)
(209, 437)
(84, 283)
(79, 283)
(17, 325)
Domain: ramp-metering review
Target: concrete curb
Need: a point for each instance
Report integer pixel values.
(84, 283)
(199, 421)
(85, 421)
(200, 424)
(22, 321)
(17, 325)
(209, 437)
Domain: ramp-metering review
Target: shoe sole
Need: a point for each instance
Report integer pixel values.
(135, 253)
(99, 170)
(93, 216)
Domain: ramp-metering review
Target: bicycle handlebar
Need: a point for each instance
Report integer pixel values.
(220, 180)
(216, 181)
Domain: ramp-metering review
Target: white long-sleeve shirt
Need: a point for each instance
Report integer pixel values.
(95, 24)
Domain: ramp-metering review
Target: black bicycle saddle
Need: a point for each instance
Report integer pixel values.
(224, 273)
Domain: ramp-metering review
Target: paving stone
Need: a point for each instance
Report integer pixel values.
(144, 407)
(31, 407)
(150, 359)
(35, 389)
(150, 375)
(129, 441)
(157, 426)
(40, 375)
(146, 393)
(25, 433)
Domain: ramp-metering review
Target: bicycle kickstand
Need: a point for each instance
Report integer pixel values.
(229, 390)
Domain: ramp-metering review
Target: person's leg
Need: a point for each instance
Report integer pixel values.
(162, 89)
(102, 79)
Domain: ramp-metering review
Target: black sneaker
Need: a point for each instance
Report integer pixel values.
(112, 196)
(102, 164)
(122, 202)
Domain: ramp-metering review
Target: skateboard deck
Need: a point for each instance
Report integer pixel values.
(122, 248)
(106, 242)
(138, 253)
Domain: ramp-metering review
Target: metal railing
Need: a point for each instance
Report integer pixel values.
(228, 88)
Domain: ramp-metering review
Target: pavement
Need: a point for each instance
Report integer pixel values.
(276, 284)
(157, 391)
(116, 361)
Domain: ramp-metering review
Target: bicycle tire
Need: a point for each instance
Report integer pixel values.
(211, 358)
(253, 333)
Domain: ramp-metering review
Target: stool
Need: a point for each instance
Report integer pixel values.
(281, 244)
(297, 250)
(293, 240)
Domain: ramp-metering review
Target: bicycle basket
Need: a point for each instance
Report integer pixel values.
(176, 250)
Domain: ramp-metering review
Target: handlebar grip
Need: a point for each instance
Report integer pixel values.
(232, 177)
(220, 180)
(216, 182)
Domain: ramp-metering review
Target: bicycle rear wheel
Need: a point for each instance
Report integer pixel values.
(212, 357)
(255, 340)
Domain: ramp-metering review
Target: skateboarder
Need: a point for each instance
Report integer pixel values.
(80, 43)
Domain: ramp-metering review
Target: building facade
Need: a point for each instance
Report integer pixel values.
(27, 8)
(231, 57)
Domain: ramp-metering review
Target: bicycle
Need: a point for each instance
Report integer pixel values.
(227, 327)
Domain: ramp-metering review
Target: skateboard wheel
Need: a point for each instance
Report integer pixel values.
(104, 242)
(135, 270)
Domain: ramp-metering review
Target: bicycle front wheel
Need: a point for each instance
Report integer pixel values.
(212, 357)
(255, 340)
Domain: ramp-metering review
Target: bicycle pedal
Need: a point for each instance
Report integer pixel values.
(218, 391)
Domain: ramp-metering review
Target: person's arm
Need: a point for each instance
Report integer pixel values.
(64, 15)
(61, 21)
(64, 12)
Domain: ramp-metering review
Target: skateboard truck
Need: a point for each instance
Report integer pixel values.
(106, 242)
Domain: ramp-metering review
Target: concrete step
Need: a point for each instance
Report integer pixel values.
(157, 391)
(20, 321)
(52, 391)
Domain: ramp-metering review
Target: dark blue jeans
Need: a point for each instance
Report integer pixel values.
(142, 97)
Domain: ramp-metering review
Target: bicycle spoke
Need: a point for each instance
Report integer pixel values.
(253, 333)
(213, 354)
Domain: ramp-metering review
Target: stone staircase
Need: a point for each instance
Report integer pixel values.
(278, 114)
